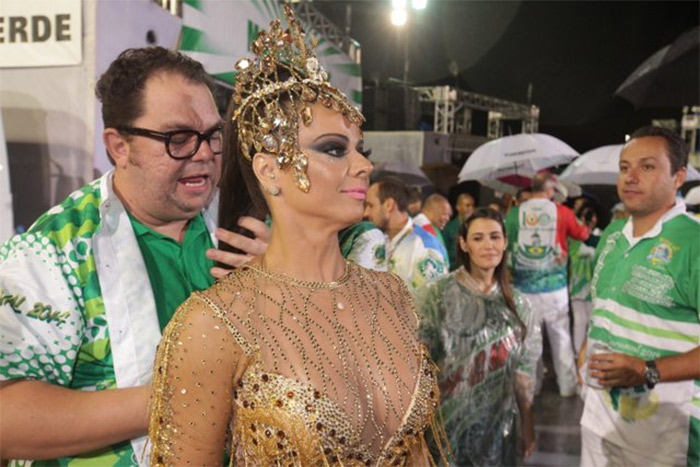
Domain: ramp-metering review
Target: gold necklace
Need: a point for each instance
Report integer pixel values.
(281, 277)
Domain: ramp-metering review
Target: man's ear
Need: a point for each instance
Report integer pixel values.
(266, 169)
(679, 177)
(389, 205)
(117, 146)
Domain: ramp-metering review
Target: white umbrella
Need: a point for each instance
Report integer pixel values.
(600, 166)
(566, 188)
(522, 155)
(407, 172)
(693, 196)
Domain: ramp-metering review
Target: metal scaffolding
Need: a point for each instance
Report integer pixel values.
(453, 107)
(325, 28)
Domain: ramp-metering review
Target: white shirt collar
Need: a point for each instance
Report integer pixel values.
(394, 242)
(677, 210)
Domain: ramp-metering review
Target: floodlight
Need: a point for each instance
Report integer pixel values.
(398, 17)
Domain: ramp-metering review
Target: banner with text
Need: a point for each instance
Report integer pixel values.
(36, 33)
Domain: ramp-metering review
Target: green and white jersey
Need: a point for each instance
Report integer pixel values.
(76, 307)
(645, 303)
(581, 262)
(364, 244)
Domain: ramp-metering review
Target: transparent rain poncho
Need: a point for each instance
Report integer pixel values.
(484, 360)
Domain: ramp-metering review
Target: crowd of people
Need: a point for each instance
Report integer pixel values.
(236, 290)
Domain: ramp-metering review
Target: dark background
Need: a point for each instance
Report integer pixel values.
(574, 54)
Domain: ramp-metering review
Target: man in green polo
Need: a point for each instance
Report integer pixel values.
(643, 361)
(86, 291)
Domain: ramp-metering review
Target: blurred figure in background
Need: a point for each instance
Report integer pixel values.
(581, 264)
(413, 253)
(486, 341)
(415, 201)
(619, 211)
(521, 196)
(496, 206)
(537, 233)
(434, 216)
(464, 207)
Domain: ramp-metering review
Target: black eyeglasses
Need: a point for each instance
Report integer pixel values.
(182, 144)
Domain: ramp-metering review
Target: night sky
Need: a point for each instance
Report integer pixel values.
(575, 54)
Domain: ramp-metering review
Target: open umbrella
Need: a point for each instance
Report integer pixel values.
(600, 166)
(520, 155)
(669, 78)
(512, 184)
(408, 173)
(693, 196)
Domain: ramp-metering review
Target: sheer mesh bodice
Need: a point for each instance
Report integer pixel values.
(303, 373)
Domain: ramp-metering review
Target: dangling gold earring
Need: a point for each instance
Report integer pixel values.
(273, 190)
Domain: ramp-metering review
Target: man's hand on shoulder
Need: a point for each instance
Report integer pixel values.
(251, 246)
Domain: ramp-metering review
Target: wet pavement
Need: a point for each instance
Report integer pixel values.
(556, 425)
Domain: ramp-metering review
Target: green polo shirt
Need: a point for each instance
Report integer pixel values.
(175, 269)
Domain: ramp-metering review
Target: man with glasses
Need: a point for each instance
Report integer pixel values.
(87, 291)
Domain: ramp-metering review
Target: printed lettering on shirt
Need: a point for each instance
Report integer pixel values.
(14, 301)
(47, 313)
(649, 285)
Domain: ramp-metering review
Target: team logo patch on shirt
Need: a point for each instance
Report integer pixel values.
(531, 218)
(661, 253)
(632, 403)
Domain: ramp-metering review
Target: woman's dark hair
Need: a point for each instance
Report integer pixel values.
(238, 199)
(501, 272)
(239, 190)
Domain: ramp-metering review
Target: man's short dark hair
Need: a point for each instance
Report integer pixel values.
(676, 147)
(120, 88)
(414, 195)
(390, 187)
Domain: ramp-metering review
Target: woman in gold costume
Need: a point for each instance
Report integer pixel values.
(298, 357)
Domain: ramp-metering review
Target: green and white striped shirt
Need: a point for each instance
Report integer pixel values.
(645, 303)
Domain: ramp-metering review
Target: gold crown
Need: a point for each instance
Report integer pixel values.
(284, 67)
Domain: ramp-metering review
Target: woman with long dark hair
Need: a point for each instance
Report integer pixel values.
(486, 342)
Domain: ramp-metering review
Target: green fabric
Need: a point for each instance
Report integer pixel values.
(442, 240)
(537, 263)
(64, 235)
(54, 325)
(646, 299)
(364, 244)
(72, 352)
(175, 270)
(450, 234)
(580, 271)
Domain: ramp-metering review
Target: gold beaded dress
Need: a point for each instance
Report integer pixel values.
(278, 371)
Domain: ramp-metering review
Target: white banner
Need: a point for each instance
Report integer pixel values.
(36, 33)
